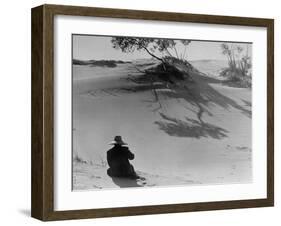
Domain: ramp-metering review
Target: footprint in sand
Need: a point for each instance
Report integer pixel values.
(244, 149)
(96, 177)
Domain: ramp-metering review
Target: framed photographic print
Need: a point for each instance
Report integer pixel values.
(141, 112)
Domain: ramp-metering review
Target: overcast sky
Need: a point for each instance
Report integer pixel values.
(86, 47)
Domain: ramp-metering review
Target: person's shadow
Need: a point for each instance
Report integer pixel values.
(124, 182)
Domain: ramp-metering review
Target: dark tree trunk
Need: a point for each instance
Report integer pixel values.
(156, 57)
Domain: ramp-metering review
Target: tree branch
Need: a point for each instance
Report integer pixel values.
(151, 54)
(158, 58)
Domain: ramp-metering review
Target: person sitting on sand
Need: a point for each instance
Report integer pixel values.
(118, 160)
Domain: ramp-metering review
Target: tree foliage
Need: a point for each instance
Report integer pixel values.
(239, 62)
(152, 46)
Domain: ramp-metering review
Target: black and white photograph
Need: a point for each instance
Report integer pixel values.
(158, 112)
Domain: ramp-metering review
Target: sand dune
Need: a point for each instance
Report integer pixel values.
(191, 133)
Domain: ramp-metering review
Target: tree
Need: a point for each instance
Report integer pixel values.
(150, 45)
(129, 45)
(185, 43)
(236, 60)
(239, 63)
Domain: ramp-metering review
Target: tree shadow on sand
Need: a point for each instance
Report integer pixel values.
(189, 128)
(198, 95)
(247, 103)
(201, 94)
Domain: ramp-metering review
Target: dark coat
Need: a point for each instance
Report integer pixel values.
(118, 160)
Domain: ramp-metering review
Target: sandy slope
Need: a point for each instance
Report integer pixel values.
(197, 133)
(210, 67)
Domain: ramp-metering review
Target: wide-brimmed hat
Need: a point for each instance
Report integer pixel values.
(117, 140)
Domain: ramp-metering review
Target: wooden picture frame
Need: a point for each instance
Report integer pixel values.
(42, 203)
